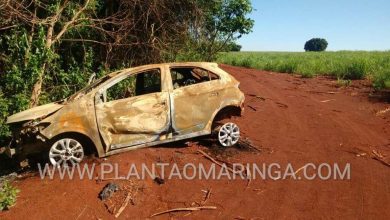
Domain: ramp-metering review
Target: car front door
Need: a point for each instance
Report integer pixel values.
(133, 110)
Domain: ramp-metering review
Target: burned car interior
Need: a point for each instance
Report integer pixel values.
(184, 76)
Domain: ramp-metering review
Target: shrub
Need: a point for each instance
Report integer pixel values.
(382, 79)
(355, 70)
(316, 44)
(288, 66)
(234, 47)
(4, 130)
(8, 195)
(343, 82)
(246, 63)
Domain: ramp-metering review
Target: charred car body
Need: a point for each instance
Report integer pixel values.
(130, 109)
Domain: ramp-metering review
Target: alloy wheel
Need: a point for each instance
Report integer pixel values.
(66, 152)
(229, 134)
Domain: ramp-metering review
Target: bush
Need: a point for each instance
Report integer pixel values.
(4, 130)
(382, 79)
(316, 44)
(288, 66)
(234, 47)
(355, 70)
(246, 63)
(343, 82)
(8, 195)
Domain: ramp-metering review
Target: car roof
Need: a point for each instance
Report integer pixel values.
(193, 64)
(176, 64)
(181, 64)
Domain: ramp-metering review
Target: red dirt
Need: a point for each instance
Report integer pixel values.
(299, 121)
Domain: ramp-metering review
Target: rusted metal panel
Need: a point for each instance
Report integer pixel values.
(34, 113)
(75, 117)
(140, 121)
(205, 99)
(133, 120)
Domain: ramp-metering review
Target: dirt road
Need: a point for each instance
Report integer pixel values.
(291, 120)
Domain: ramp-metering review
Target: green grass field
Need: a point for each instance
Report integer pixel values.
(343, 65)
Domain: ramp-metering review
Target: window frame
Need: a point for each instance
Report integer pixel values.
(193, 67)
(116, 80)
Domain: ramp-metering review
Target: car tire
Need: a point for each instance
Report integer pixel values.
(66, 151)
(228, 134)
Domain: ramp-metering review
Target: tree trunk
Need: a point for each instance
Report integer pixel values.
(37, 89)
(50, 40)
(36, 92)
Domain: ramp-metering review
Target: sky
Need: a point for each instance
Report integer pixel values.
(285, 25)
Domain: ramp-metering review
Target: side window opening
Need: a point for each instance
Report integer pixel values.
(148, 82)
(185, 76)
(136, 85)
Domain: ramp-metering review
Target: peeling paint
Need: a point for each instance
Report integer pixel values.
(139, 121)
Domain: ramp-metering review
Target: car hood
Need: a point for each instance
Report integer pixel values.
(34, 113)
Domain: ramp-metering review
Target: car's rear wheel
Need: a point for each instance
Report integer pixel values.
(228, 134)
(66, 151)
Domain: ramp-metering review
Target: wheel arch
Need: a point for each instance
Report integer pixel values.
(226, 112)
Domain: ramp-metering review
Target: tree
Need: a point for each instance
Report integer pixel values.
(223, 21)
(48, 48)
(316, 44)
(235, 47)
(34, 14)
(121, 32)
(231, 46)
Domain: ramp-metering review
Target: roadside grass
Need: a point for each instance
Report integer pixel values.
(8, 195)
(342, 65)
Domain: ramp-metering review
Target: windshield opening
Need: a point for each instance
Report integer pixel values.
(89, 87)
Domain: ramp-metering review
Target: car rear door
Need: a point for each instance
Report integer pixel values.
(194, 100)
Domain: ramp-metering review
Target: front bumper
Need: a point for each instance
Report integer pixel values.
(25, 146)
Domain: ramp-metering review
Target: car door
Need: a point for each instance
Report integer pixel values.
(195, 98)
(133, 110)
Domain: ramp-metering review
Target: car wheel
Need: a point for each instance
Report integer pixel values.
(228, 134)
(66, 151)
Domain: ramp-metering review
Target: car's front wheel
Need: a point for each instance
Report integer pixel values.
(228, 134)
(66, 151)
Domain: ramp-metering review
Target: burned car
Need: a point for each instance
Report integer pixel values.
(129, 109)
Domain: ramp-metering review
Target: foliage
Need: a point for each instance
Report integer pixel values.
(8, 195)
(343, 65)
(63, 77)
(233, 46)
(316, 44)
(344, 82)
(49, 48)
(381, 79)
(4, 130)
(224, 21)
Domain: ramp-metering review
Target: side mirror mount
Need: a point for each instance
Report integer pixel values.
(92, 78)
(99, 97)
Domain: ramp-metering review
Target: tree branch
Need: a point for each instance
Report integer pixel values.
(100, 42)
(71, 22)
(8, 27)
